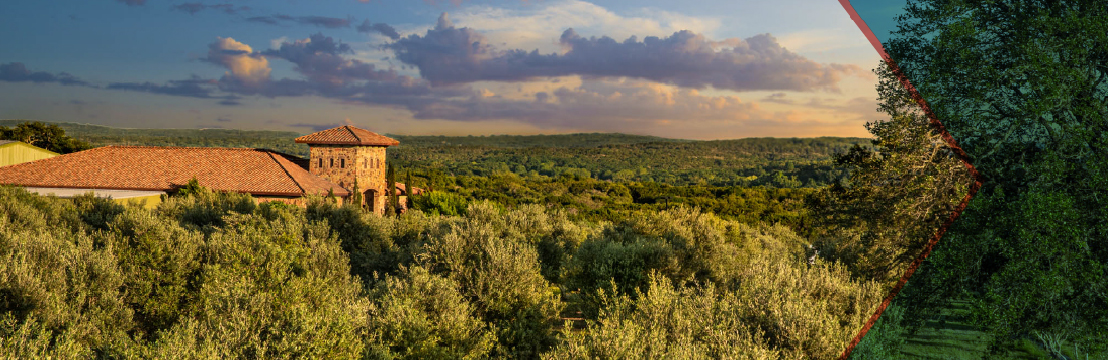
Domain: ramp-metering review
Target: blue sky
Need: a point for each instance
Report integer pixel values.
(701, 70)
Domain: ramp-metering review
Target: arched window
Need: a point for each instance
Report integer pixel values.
(332, 162)
(342, 163)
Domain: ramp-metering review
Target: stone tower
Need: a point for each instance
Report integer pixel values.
(345, 155)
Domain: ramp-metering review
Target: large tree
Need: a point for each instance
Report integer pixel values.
(898, 192)
(1022, 86)
(50, 137)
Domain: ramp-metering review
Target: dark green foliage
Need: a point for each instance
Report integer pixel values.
(391, 201)
(441, 203)
(356, 195)
(409, 186)
(193, 187)
(898, 192)
(375, 245)
(205, 208)
(47, 136)
(885, 339)
(97, 212)
(424, 316)
(485, 251)
(595, 200)
(1028, 106)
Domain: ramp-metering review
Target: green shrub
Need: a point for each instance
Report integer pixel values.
(420, 315)
(440, 203)
(501, 276)
(206, 208)
(884, 339)
(667, 322)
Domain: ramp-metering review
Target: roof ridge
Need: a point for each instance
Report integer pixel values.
(286, 170)
(353, 133)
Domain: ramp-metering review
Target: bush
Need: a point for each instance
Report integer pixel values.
(206, 208)
(884, 339)
(419, 315)
(501, 276)
(440, 203)
(667, 322)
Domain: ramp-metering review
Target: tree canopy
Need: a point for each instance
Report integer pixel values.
(47, 136)
(1022, 86)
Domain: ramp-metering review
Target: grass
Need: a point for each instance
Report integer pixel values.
(948, 336)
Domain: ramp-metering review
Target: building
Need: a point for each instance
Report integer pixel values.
(15, 152)
(351, 157)
(341, 159)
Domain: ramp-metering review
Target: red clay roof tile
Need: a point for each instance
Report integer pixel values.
(253, 171)
(347, 135)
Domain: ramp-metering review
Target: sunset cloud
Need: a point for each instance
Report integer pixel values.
(691, 70)
(450, 55)
(320, 59)
(246, 67)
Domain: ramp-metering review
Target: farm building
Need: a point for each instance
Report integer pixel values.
(15, 152)
(341, 159)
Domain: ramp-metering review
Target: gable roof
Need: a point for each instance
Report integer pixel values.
(253, 171)
(347, 135)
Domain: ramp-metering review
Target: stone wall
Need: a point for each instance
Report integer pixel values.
(345, 164)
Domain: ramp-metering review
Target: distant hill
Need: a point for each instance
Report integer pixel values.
(525, 141)
(104, 135)
(606, 156)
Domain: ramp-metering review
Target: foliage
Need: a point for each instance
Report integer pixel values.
(423, 316)
(774, 162)
(211, 275)
(595, 200)
(782, 310)
(897, 194)
(392, 207)
(1028, 106)
(441, 203)
(149, 287)
(47, 136)
(485, 251)
(885, 338)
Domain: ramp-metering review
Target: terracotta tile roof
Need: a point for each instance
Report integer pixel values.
(402, 190)
(253, 171)
(347, 135)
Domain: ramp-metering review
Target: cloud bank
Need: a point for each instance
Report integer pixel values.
(450, 55)
(18, 72)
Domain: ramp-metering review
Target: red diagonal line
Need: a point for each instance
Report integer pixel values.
(977, 178)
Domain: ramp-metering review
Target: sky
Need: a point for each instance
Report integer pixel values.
(701, 70)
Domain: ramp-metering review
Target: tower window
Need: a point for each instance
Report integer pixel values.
(320, 163)
(342, 163)
(332, 162)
